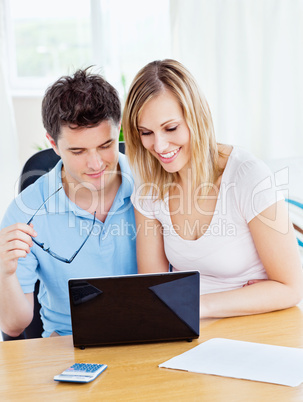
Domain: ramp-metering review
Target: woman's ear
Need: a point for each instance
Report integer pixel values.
(53, 144)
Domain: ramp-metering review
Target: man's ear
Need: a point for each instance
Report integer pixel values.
(53, 144)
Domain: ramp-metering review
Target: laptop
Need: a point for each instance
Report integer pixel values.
(135, 308)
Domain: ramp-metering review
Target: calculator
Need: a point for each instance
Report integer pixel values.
(81, 372)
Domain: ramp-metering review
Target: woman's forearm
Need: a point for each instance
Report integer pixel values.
(261, 297)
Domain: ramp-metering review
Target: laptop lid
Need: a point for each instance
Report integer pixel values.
(135, 308)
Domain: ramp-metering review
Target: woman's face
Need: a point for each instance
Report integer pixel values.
(164, 132)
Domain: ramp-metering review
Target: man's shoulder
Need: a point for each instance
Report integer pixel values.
(45, 185)
(124, 164)
(127, 176)
(23, 206)
(30, 199)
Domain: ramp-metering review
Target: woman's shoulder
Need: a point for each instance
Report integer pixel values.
(242, 164)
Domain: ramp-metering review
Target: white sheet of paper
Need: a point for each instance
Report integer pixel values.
(245, 360)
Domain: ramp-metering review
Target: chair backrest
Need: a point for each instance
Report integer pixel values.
(37, 165)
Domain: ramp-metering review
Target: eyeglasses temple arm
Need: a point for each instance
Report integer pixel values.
(42, 205)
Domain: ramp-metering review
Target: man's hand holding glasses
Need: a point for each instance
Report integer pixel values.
(15, 242)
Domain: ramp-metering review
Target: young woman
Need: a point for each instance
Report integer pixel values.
(205, 206)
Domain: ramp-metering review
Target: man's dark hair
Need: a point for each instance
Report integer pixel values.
(81, 100)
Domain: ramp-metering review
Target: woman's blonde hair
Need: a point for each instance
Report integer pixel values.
(150, 81)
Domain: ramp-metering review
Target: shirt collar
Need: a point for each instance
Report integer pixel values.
(60, 203)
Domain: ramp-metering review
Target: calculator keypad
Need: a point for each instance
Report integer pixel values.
(85, 367)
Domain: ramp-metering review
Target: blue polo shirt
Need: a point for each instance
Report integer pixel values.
(63, 226)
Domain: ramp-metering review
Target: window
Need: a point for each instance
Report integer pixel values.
(46, 39)
(50, 39)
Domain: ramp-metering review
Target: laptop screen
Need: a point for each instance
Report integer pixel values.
(135, 308)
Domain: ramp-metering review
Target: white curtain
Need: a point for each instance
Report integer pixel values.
(247, 56)
(9, 160)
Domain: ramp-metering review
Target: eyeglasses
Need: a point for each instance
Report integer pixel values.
(48, 250)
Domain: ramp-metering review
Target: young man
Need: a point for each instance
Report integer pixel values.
(81, 207)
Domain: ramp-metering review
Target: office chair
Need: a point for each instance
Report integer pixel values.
(37, 165)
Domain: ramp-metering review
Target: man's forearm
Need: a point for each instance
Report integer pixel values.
(16, 308)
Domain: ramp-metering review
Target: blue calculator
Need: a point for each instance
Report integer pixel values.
(81, 372)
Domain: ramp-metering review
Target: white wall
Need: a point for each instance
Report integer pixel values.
(29, 125)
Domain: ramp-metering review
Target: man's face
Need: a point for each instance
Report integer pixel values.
(89, 155)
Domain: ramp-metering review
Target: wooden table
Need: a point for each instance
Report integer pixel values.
(27, 367)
